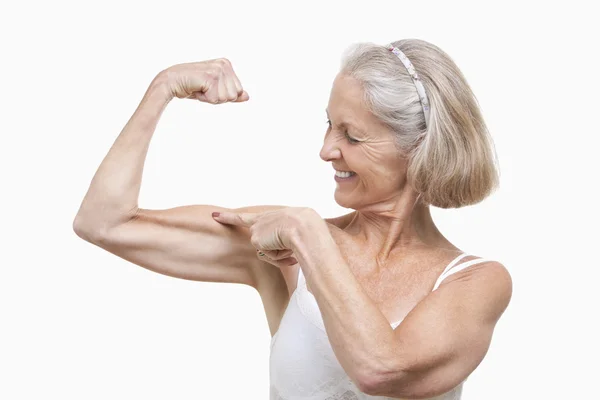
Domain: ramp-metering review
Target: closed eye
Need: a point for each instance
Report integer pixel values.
(351, 140)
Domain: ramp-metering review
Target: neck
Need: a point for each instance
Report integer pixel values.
(400, 227)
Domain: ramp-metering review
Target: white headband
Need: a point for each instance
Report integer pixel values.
(415, 78)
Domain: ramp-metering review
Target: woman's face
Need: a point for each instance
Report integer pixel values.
(356, 141)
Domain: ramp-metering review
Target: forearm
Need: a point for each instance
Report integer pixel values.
(360, 334)
(114, 190)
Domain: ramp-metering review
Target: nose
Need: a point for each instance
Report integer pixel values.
(330, 151)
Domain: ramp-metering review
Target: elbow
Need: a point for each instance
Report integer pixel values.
(414, 386)
(373, 382)
(394, 382)
(368, 385)
(375, 386)
(85, 231)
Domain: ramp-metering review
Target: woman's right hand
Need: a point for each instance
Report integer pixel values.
(211, 81)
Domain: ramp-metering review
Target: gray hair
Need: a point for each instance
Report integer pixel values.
(452, 159)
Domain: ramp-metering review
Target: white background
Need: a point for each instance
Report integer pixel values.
(80, 323)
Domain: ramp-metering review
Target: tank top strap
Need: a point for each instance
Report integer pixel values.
(301, 279)
(451, 269)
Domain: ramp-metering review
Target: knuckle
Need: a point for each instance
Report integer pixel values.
(221, 66)
(212, 73)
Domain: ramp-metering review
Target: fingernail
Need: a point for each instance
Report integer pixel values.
(216, 214)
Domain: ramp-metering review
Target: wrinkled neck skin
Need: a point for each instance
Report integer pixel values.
(399, 225)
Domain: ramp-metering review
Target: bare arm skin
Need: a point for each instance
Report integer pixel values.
(112, 198)
(183, 242)
(439, 343)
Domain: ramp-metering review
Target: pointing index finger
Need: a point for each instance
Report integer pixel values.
(238, 219)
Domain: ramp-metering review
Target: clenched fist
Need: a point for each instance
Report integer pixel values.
(211, 81)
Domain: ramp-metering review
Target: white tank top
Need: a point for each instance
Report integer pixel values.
(302, 364)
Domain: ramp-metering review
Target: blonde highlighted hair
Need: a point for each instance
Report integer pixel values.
(452, 159)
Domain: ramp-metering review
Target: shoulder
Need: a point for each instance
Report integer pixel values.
(488, 283)
(496, 280)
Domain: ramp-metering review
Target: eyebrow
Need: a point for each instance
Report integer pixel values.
(347, 124)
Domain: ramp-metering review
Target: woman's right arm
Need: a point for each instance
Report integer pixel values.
(184, 241)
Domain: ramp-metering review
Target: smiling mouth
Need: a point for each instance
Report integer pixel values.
(344, 174)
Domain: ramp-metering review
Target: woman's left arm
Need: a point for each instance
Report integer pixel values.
(439, 343)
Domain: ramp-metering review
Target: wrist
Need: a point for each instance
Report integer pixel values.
(311, 231)
(159, 88)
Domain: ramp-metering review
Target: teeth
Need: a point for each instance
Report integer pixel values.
(343, 174)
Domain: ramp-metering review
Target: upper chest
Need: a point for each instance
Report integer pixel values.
(397, 284)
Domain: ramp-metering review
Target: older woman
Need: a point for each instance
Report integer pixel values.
(373, 303)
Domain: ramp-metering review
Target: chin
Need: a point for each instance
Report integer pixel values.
(344, 201)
